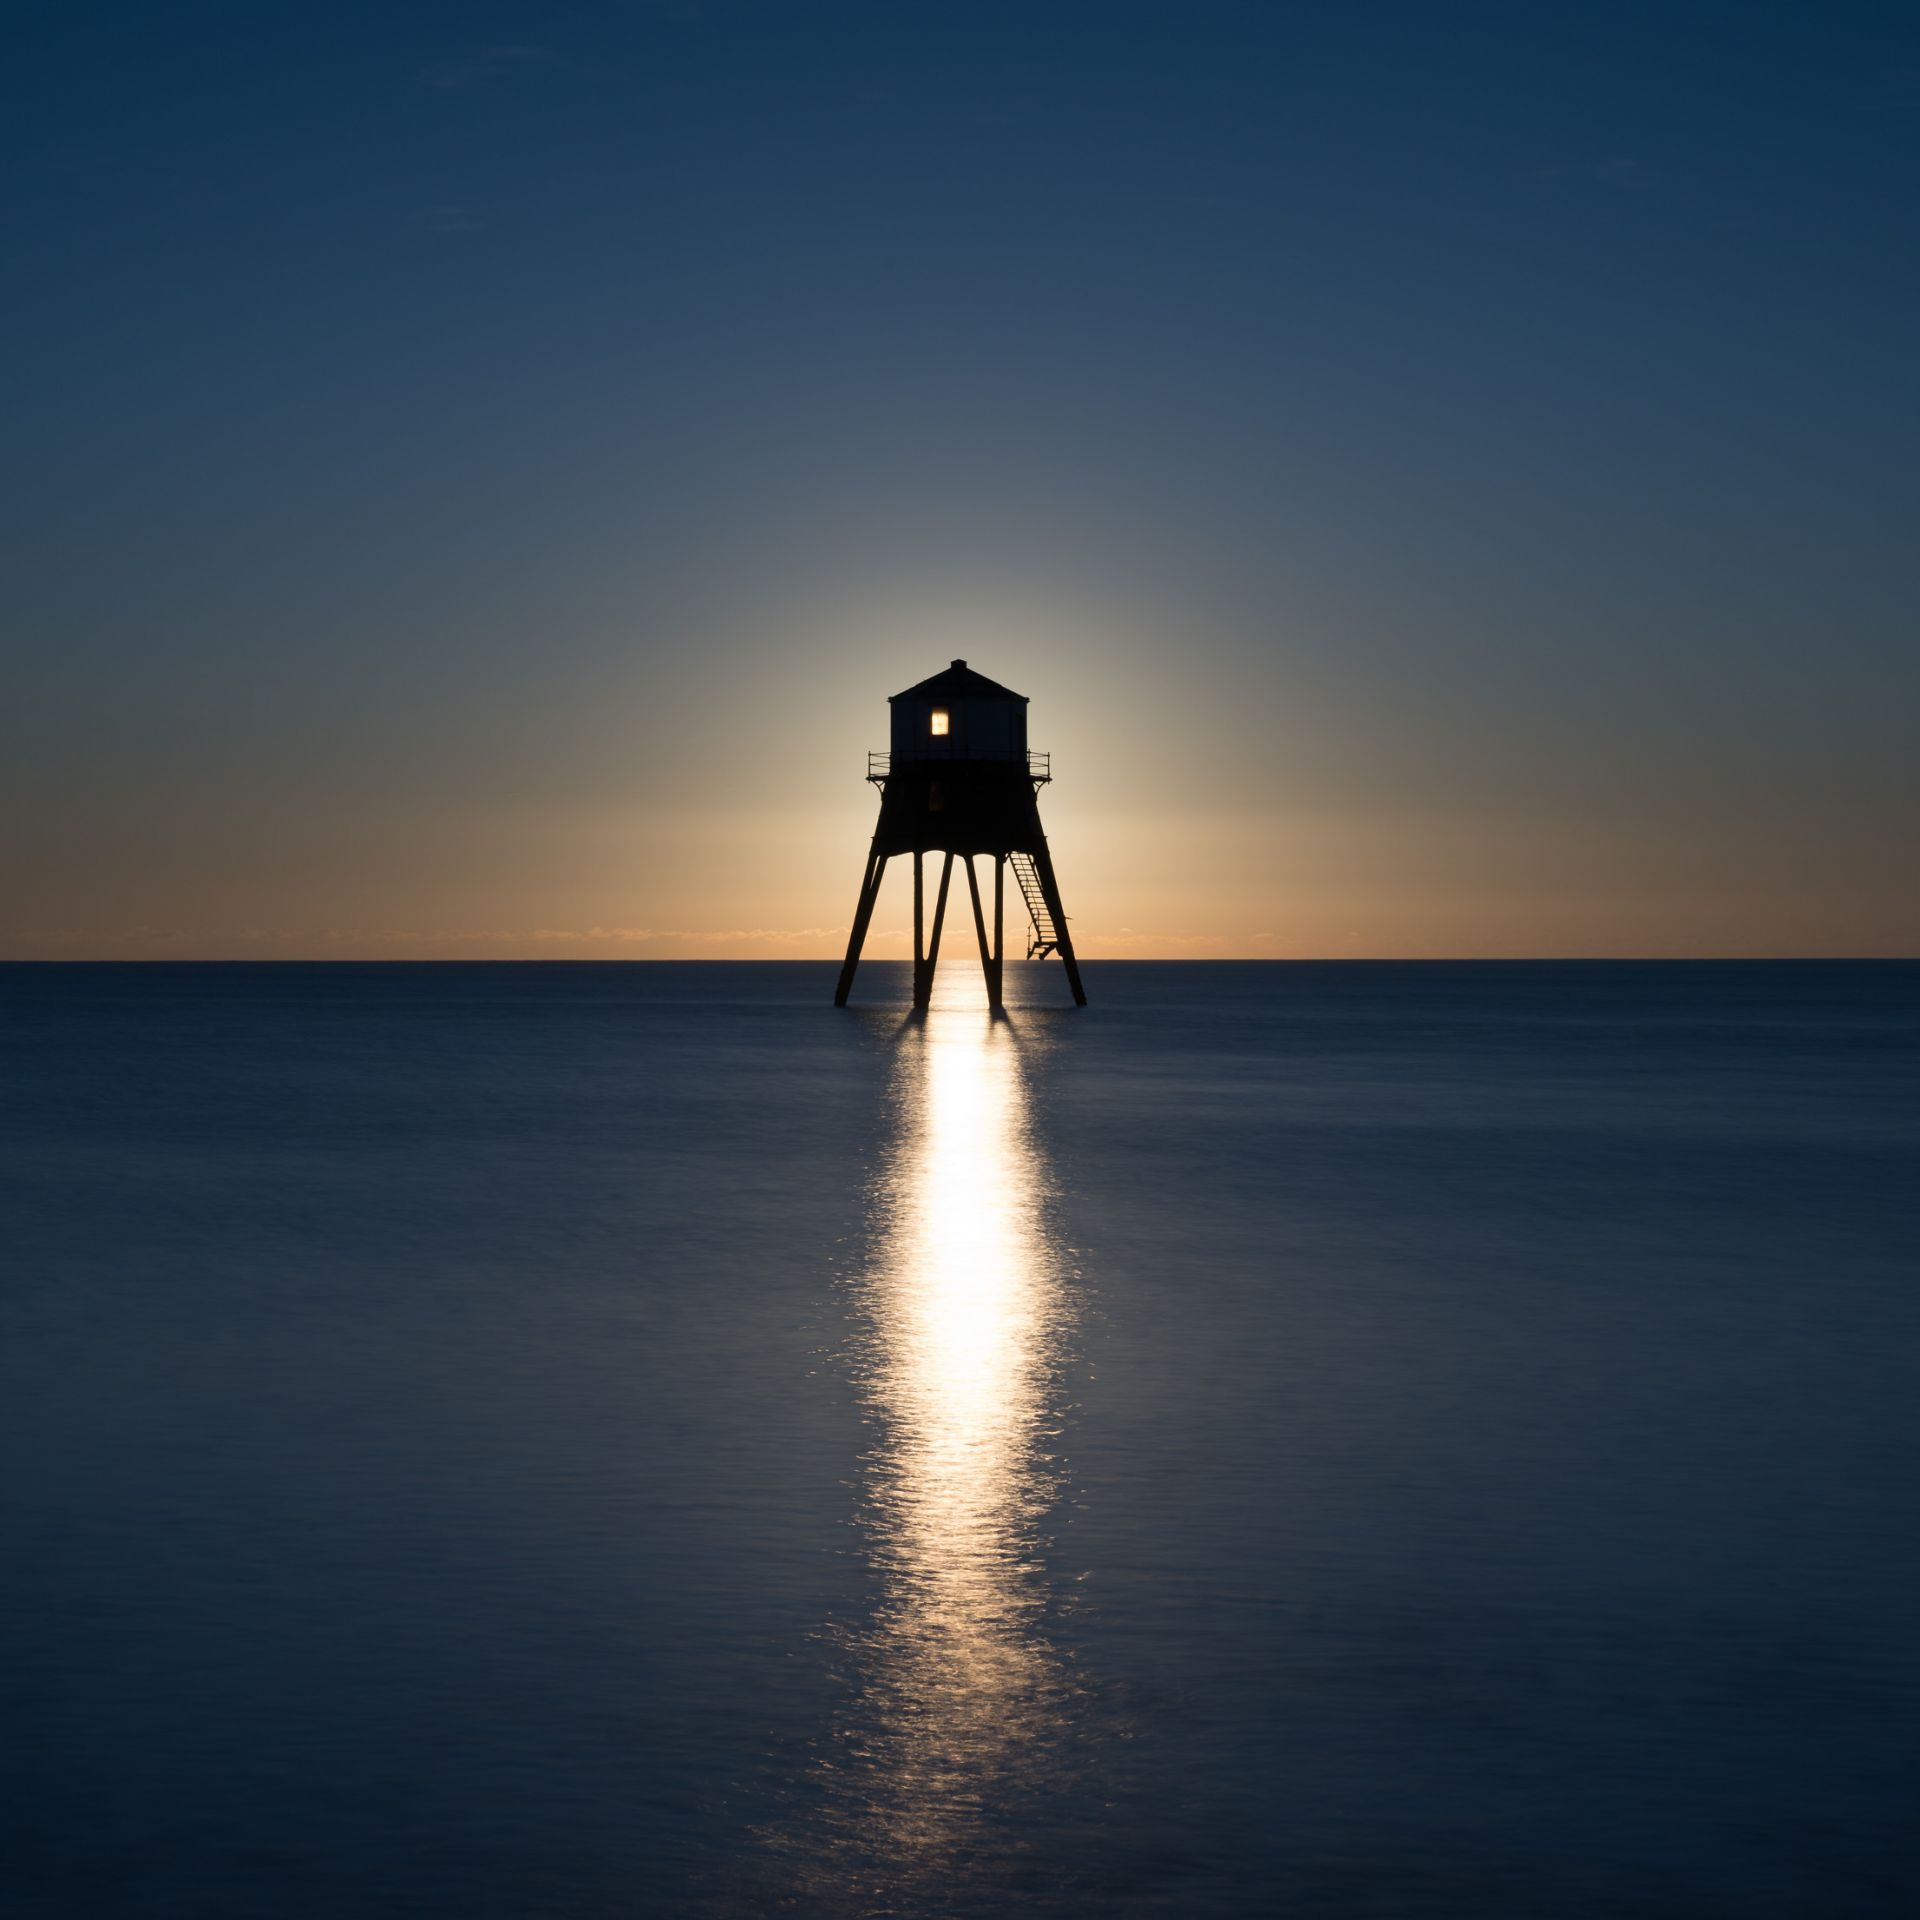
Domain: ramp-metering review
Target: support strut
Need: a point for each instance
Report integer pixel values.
(923, 973)
(1050, 892)
(862, 919)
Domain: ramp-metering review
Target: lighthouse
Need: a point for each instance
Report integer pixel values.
(959, 780)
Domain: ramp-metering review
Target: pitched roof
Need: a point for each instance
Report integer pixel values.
(958, 682)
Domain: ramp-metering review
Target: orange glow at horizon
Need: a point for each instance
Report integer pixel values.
(716, 809)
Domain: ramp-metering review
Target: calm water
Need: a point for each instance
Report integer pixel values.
(1306, 1440)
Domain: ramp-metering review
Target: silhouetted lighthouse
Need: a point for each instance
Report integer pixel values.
(959, 780)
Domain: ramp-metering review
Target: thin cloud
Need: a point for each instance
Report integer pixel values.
(529, 942)
(459, 938)
(1111, 940)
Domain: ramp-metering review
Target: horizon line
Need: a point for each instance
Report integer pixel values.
(1114, 960)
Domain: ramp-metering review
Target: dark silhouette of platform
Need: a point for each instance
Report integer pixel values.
(959, 780)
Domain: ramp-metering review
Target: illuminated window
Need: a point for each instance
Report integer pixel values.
(939, 723)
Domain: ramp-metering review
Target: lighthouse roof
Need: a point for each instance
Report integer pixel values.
(958, 682)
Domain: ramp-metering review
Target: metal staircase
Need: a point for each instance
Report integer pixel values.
(1046, 936)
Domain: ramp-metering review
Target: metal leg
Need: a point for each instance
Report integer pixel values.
(980, 932)
(862, 918)
(919, 923)
(997, 990)
(923, 990)
(1050, 889)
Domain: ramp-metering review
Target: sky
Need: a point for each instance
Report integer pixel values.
(1446, 476)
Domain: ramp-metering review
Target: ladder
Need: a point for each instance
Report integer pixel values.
(1046, 936)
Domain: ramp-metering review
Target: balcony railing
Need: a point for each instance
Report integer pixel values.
(1039, 765)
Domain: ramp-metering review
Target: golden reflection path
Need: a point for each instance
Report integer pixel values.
(959, 1699)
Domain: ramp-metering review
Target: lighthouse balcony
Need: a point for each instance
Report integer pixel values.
(880, 765)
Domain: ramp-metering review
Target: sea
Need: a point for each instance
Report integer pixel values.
(577, 1441)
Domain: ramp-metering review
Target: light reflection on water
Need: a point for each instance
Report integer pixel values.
(959, 1699)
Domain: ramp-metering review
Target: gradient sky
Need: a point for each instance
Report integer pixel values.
(1447, 476)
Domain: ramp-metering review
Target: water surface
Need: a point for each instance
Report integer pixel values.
(575, 1440)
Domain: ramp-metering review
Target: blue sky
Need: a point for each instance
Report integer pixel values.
(1445, 476)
